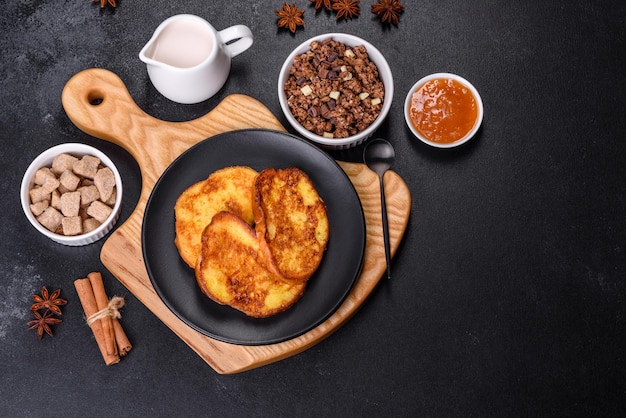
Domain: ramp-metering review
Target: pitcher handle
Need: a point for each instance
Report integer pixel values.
(241, 34)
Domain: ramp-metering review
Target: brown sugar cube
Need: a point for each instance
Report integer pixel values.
(63, 162)
(86, 166)
(90, 224)
(88, 194)
(99, 210)
(38, 194)
(42, 174)
(69, 180)
(111, 200)
(72, 225)
(38, 208)
(55, 199)
(49, 184)
(50, 219)
(70, 204)
(105, 182)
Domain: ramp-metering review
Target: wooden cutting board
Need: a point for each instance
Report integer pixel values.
(98, 103)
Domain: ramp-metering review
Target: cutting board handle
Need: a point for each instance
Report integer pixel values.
(97, 101)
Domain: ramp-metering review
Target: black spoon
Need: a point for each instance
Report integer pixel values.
(379, 155)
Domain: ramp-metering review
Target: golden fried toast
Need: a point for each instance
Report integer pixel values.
(290, 221)
(228, 270)
(229, 189)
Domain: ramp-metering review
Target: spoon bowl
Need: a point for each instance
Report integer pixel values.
(379, 156)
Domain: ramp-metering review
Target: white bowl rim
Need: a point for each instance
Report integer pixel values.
(45, 159)
(479, 102)
(381, 64)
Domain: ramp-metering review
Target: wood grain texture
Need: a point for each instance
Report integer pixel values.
(98, 103)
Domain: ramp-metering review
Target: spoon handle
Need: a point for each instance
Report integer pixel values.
(383, 206)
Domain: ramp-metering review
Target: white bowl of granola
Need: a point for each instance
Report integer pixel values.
(72, 193)
(335, 90)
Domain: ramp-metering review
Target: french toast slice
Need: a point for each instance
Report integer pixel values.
(228, 270)
(229, 189)
(290, 221)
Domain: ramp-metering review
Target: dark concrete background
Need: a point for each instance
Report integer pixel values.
(508, 294)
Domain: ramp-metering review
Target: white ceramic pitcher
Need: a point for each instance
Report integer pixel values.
(188, 60)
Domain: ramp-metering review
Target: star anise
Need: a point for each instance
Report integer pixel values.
(48, 301)
(346, 8)
(43, 323)
(103, 3)
(290, 17)
(388, 10)
(320, 3)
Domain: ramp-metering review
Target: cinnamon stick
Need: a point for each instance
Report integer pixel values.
(88, 300)
(102, 302)
(123, 343)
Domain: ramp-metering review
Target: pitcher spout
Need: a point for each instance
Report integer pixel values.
(147, 53)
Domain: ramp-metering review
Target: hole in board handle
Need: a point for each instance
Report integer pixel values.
(95, 98)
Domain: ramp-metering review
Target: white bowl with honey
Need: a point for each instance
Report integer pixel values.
(443, 110)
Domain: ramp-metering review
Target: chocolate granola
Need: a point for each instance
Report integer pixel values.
(334, 90)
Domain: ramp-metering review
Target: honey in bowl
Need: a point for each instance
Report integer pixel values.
(443, 109)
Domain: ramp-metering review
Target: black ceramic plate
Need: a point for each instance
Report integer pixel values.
(175, 282)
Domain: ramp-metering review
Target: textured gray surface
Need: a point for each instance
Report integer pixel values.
(508, 296)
